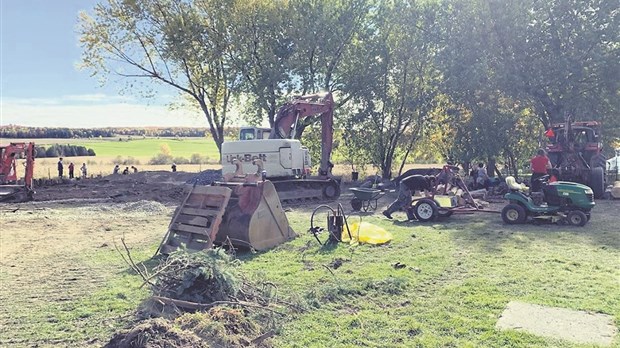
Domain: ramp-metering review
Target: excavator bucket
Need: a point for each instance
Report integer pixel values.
(254, 217)
(242, 210)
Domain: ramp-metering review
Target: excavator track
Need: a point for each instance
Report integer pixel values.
(307, 191)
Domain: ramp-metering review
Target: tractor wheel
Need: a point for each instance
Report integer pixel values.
(576, 218)
(597, 182)
(356, 204)
(425, 210)
(514, 214)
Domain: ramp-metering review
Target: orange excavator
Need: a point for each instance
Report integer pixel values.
(286, 162)
(13, 187)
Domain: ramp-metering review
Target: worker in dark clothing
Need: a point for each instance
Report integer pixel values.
(406, 189)
(61, 167)
(71, 170)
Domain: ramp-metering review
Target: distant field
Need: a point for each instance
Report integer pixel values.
(138, 147)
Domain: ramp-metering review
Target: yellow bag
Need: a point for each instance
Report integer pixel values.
(366, 233)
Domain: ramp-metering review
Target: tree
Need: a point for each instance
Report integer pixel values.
(179, 44)
(262, 50)
(399, 93)
(558, 57)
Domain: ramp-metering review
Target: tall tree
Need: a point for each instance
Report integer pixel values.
(178, 44)
(262, 48)
(400, 80)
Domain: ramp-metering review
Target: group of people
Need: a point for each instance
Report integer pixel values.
(117, 170)
(540, 165)
(71, 169)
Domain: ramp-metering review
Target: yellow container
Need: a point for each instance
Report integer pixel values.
(446, 201)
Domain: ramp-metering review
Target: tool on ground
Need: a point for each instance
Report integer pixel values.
(242, 210)
(336, 222)
(13, 187)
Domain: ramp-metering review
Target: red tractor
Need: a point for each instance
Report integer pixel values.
(12, 186)
(575, 151)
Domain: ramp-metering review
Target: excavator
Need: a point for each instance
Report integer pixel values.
(12, 187)
(286, 162)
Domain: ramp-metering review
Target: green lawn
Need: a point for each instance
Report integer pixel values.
(138, 147)
(459, 275)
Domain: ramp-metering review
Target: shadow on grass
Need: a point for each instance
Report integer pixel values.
(491, 233)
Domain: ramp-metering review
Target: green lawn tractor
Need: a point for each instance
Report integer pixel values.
(560, 202)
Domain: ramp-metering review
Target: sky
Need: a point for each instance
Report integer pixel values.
(41, 85)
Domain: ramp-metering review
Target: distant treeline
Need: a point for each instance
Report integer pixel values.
(62, 151)
(20, 132)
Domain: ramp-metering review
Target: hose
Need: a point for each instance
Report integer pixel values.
(331, 236)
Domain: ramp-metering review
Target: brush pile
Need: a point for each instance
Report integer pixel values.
(203, 295)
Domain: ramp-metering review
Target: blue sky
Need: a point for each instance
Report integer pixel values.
(40, 84)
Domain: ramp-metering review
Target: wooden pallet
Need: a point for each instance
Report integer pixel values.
(196, 222)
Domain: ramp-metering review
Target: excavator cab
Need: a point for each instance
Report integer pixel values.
(14, 187)
(254, 133)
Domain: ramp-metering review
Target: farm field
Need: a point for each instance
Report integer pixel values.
(136, 147)
(454, 280)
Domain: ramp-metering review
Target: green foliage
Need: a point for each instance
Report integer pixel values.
(127, 161)
(58, 150)
(197, 158)
(202, 277)
(161, 159)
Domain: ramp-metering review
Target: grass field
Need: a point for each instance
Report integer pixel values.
(459, 275)
(138, 147)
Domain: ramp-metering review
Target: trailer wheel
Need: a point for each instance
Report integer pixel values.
(597, 182)
(514, 214)
(444, 213)
(356, 204)
(576, 218)
(425, 210)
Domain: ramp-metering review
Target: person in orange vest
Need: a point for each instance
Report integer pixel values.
(539, 165)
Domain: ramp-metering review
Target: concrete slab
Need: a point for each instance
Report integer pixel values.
(560, 323)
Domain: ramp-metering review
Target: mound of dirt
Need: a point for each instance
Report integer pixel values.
(155, 333)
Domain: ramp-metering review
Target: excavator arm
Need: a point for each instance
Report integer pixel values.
(288, 116)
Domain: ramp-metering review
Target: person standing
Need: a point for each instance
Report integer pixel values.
(71, 168)
(61, 167)
(482, 180)
(539, 165)
(406, 189)
(84, 171)
(174, 167)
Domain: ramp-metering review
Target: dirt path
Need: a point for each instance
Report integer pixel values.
(44, 257)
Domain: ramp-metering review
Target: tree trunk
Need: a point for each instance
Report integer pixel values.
(491, 167)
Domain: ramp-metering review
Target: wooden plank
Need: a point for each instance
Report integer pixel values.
(201, 212)
(212, 190)
(192, 229)
(194, 220)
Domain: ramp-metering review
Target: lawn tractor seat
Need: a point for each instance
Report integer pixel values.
(514, 186)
